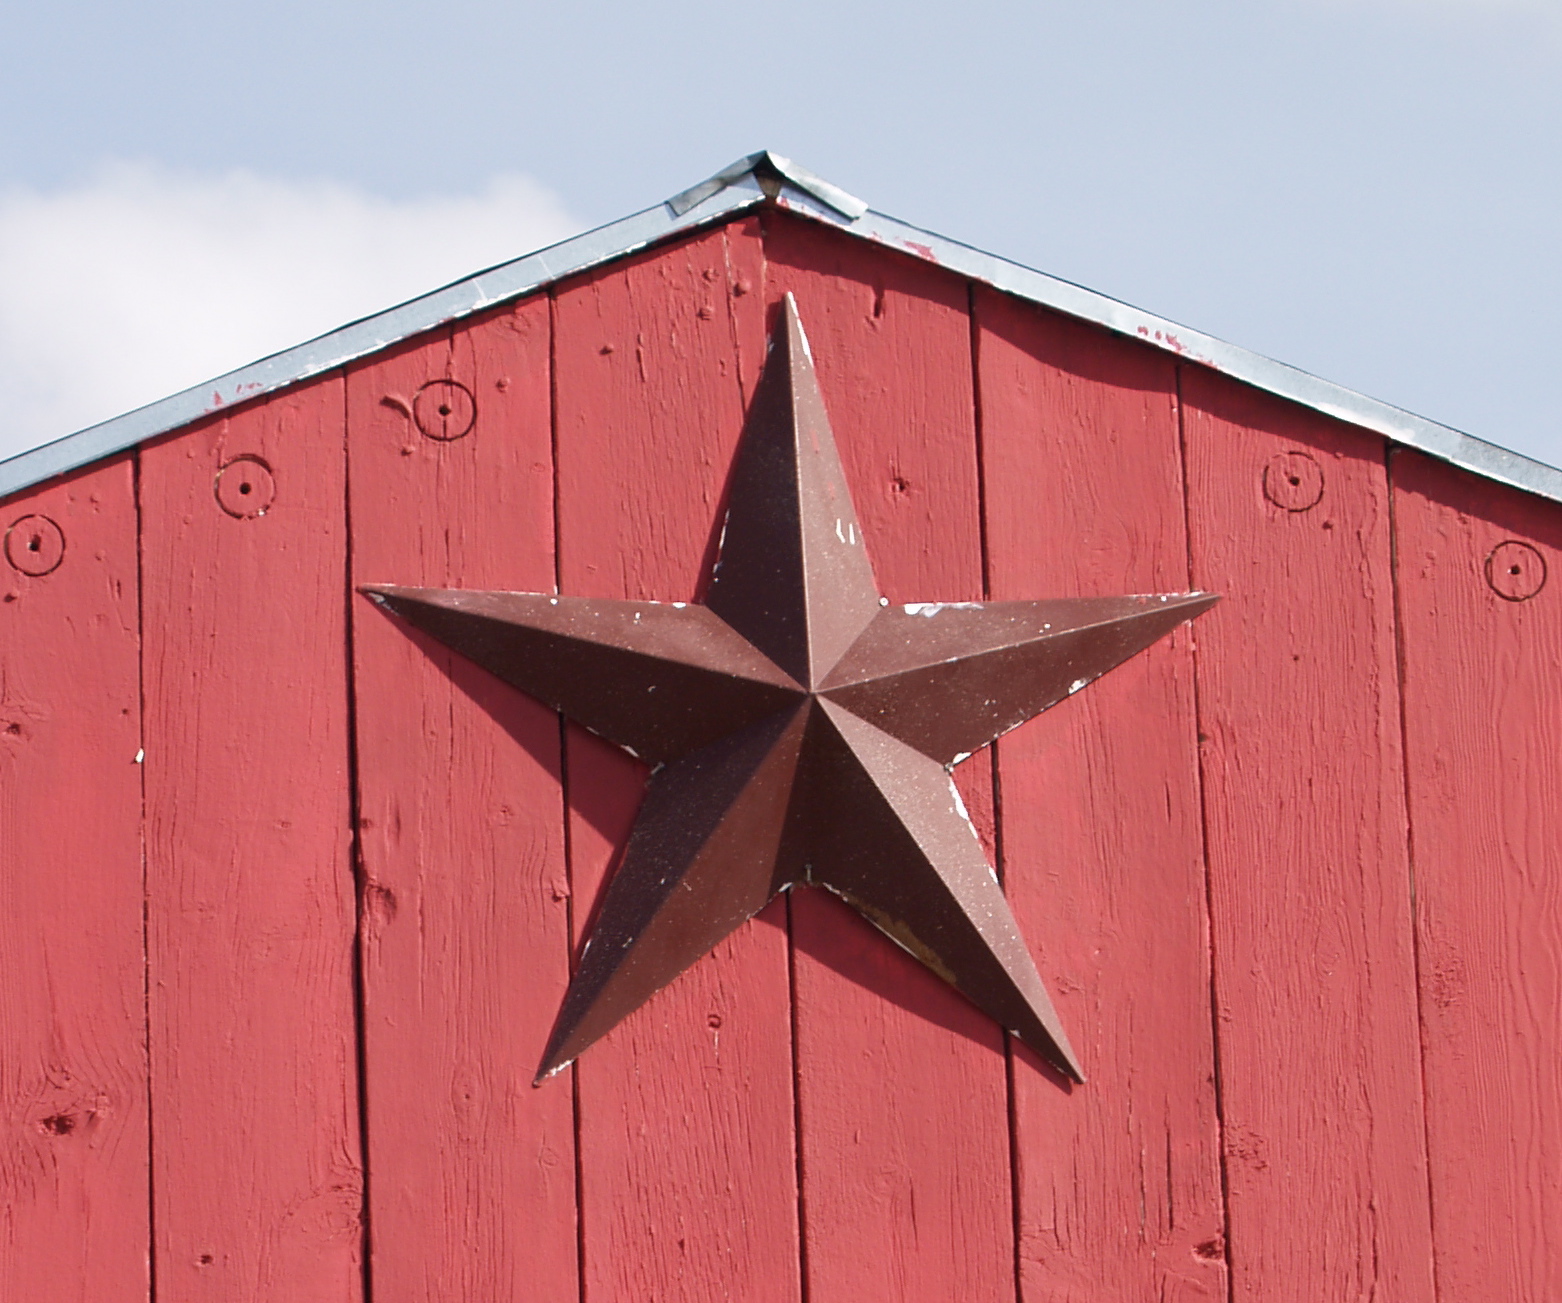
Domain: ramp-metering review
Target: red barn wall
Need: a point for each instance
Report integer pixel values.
(288, 894)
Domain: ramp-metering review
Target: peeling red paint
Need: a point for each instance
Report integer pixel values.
(1167, 340)
(922, 250)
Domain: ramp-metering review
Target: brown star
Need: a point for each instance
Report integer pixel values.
(800, 729)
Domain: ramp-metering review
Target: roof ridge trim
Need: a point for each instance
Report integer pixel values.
(753, 181)
(770, 171)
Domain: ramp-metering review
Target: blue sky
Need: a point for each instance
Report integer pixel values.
(1368, 189)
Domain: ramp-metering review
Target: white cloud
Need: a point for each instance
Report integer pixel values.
(144, 281)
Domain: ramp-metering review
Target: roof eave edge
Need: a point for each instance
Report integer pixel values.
(1489, 460)
(347, 344)
(750, 182)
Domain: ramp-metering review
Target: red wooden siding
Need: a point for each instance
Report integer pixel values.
(1118, 1181)
(256, 1167)
(465, 897)
(1483, 731)
(902, 1095)
(688, 1174)
(73, 1130)
(1312, 959)
(1320, 1074)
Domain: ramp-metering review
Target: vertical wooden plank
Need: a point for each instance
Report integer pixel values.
(73, 1134)
(1118, 1182)
(686, 1140)
(1320, 1071)
(903, 1101)
(466, 929)
(250, 895)
(1483, 730)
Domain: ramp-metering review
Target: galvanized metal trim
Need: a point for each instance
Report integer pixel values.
(461, 299)
(765, 165)
(1441, 441)
(732, 191)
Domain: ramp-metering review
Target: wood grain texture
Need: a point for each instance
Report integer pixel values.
(902, 1092)
(250, 893)
(1119, 1181)
(1320, 1070)
(1483, 730)
(73, 1131)
(688, 1185)
(465, 920)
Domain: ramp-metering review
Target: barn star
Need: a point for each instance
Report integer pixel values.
(800, 729)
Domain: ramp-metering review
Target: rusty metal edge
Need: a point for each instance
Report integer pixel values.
(729, 192)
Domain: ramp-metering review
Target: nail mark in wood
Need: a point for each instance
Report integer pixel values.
(245, 487)
(1293, 480)
(35, 545)
(444, 410)
(1515, 571)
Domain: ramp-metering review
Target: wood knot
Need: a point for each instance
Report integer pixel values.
(379, 903)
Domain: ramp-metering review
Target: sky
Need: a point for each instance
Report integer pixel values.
(1367, 189)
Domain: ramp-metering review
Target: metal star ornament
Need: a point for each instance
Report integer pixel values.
(799, 728)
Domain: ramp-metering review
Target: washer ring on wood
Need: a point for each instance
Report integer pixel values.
(1293, 480)
(444, 410)
(35, 545)
(1515, 571)
(245, 487)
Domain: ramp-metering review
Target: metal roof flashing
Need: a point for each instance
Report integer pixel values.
(774, 175)
(757, 180)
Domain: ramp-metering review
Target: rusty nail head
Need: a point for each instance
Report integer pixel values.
(444, 410)
(245, 487)
(35, 545)
(1516, 571)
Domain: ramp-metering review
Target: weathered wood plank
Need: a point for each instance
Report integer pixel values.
(250, 893)
(1320, 1072)
(465, 922)
(903, 1100)
(73, 1133)
(1483, 729)
(688, 1186)
(1119, 1181)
